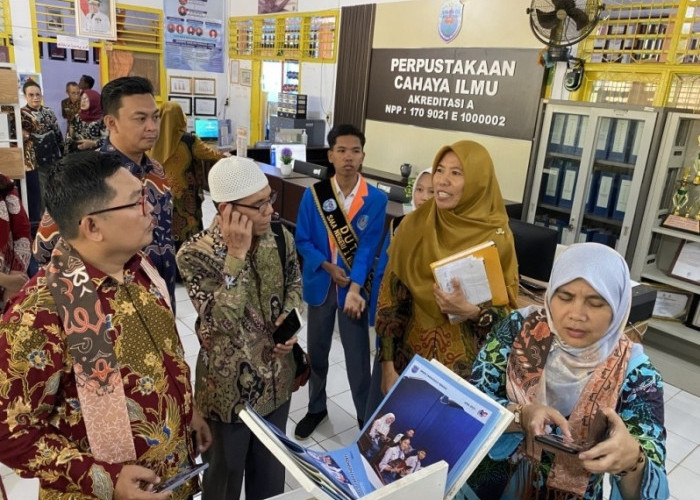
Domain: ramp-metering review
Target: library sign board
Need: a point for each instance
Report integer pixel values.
(486, 91)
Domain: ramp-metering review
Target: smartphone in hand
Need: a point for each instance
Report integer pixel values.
(289, 327)
(561, 443)
(180, 478)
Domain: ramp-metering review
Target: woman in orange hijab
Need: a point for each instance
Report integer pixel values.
(467, 210)
(178, 151)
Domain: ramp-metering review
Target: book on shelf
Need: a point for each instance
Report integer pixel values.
(593, 191)
(478, 270)
(452, 421)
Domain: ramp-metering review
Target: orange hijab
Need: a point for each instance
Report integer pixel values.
(173, 125)
(479, 216)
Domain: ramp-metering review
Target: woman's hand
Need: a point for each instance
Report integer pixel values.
(84, 144)
(389, 376)
(12, 282)
(455, 303)
(534, 417)
(619, 452)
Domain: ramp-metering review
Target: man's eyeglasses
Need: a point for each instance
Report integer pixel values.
(141, 202)
(262, 206)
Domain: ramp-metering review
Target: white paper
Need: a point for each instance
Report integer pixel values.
(4, 130)
(604, 191)
(621, 205)
(471, 273)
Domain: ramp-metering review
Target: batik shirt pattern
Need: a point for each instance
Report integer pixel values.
(41, 428)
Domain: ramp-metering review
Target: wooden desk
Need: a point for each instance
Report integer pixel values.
(291, 189)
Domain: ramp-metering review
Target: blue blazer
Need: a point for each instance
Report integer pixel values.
(311, 240)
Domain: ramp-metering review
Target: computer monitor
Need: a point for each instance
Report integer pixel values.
(311, 169)
(394, 192)
(207, 129)
(535, 247)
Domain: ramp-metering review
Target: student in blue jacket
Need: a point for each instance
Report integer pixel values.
(339, 228)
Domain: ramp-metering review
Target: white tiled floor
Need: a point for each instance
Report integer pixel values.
(682, 415)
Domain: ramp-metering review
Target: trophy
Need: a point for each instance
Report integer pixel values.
(686, 214)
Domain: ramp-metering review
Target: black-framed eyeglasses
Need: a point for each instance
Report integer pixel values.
(260, 207)
(141, 202)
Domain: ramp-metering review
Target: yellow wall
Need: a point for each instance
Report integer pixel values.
(486, 23)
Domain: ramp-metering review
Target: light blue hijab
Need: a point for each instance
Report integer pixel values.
(568, 369)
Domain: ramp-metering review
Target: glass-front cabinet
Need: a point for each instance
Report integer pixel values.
(590, 168)
(668, 250)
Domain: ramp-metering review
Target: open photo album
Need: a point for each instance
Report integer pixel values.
(430, 415)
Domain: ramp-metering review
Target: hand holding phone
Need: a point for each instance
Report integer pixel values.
(180, 478)
(289, 327)
(597, 432)
(561, 443)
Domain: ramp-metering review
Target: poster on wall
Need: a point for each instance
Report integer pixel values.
(194, 35)
(489, 91)
(272, 6)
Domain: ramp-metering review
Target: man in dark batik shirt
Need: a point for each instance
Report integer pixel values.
(133, 120)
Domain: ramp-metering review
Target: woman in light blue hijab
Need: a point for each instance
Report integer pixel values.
(558, 367)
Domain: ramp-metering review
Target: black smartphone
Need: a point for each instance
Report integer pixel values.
(291, 325)
(179, 478)
(561, 443)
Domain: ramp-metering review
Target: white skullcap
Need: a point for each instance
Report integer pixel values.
(234, 178)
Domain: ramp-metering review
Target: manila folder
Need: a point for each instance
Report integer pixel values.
(467, 266)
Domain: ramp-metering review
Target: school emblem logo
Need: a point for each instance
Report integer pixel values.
(450, 20)
(329, 205)
(362, 222)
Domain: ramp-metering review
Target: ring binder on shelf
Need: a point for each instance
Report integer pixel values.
(557, 133)
(619, 147)
(624, 183)
(603, 140)
(605, 194)
(568, 184)
(571, 131)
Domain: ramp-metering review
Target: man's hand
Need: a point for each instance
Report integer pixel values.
(354, 303)
(455, 303)
(237, 231)
(337, 274)
(83, 144)
(202, 432)
(136, 483)
(282, 349)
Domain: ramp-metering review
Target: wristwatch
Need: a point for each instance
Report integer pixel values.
(518, 413)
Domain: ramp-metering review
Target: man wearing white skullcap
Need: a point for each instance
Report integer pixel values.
(242, 292)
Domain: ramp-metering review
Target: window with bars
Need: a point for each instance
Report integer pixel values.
(644, 53)
(311, 37)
